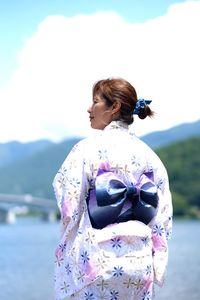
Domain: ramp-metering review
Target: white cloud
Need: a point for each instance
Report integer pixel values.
(49, 93)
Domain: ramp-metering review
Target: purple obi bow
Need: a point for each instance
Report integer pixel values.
(112, 201)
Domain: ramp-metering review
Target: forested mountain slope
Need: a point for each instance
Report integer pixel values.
(34, 174)
(182, 160)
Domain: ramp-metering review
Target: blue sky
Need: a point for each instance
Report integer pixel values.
(20, 18)
(52, 51)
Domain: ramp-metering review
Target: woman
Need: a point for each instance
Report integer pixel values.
(118, 249)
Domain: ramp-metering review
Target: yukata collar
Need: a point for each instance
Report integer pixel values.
(119, 125)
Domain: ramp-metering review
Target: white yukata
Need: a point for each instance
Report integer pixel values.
(122, 260)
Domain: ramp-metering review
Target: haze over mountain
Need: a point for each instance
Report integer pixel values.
(14, 151)
(174, 134)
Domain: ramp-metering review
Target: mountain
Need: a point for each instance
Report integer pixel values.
(182, 161)
(34, 174)
(178, 133)
(14, 151)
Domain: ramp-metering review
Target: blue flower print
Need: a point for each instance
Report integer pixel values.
(85, 257)
(146, 296)
(148, 270)
(116, 242)
(102, 154)
(79, 231)
(117, 271)
(168, 232)
(62, 176)
(135, 161)
(68, 269)
(74, 148)
(65, 287)
(74, 182)
(114, 295)
(145, 241)
(160, 184)
(158, 230)
(75, 215)
(80, 276)
(62, 246)
(89, 296)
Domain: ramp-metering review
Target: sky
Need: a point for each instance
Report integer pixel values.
(53, 51)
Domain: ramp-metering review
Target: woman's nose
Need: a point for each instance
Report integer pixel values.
(89, 110)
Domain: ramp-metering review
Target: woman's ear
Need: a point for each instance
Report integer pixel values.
(116, 107)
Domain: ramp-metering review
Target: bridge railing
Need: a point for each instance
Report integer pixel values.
(28, 199)
(9, 202)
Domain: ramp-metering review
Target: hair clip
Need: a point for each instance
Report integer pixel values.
(140, 105)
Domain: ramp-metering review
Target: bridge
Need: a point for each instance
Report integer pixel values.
(12, 205)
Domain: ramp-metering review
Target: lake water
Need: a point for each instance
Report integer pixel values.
(27, 255)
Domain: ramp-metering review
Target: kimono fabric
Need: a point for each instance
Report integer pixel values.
(122, 260)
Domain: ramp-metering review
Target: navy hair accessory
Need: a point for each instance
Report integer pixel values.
(140, 105)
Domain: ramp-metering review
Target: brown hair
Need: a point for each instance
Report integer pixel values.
(117, 89)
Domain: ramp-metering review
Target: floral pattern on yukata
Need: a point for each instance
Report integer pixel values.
(120, 261)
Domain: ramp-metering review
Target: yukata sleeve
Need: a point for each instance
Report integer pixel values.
(162, 224)
(70, 186)
(165, 210)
